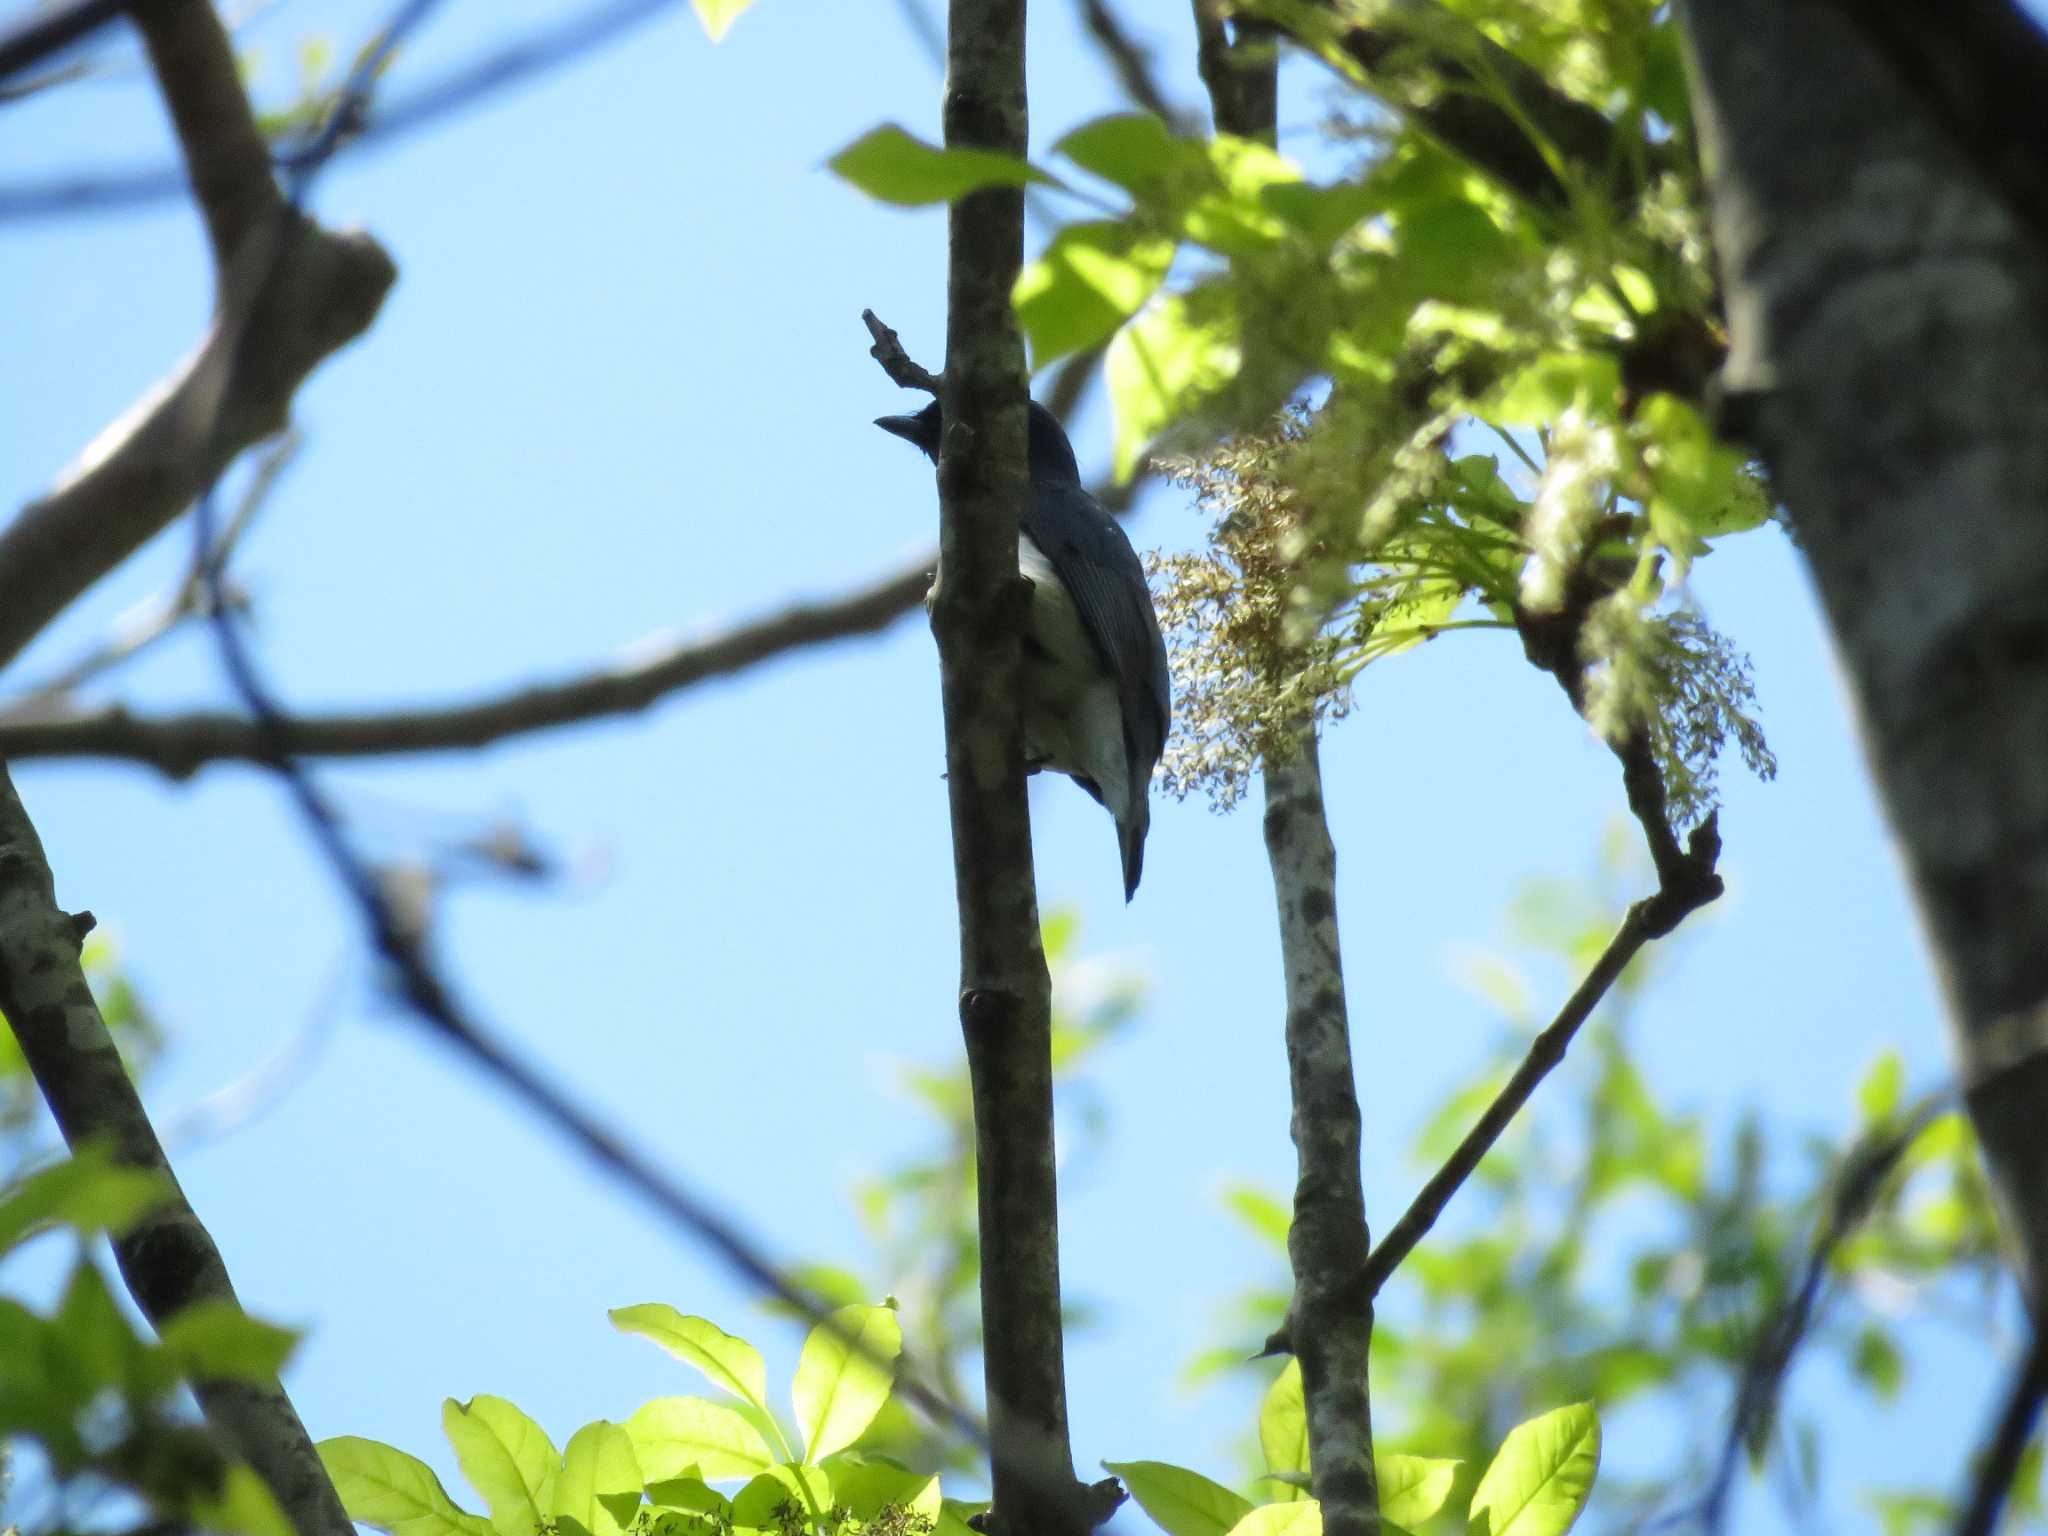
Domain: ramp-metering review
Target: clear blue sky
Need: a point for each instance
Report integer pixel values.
(622, 388)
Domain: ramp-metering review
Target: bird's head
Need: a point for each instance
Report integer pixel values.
(1051, 455)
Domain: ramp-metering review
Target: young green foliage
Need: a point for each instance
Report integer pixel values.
(105, 1403)
(678, 1466)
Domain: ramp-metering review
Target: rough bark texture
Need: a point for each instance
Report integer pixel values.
(289, 294)
(1329, 1323)
(167, 1259)
(977, 616)
(1890, 361)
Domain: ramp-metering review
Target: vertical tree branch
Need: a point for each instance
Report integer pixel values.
(1329, 1322)
(977, 615)
(167, 1259)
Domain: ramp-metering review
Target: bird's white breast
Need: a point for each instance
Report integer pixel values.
(1073, 721)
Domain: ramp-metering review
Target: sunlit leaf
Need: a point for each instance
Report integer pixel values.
(897, 167)
(600, 1482)
(1882, 1087)
(1134, 150)
(1283, 1423)
(671, 1435)
(1537, 395)
(1264, 1214)
(1180, 1502)
(1179, 352)
(843, 1377)
(1413, 1488)
(216, 1338)
(866, 1488)
(88, 1191)
(719, 15)
(730, 1364)
(243, 1506)
(506, 1457)
(1092, 278)
(1304, 1517)
(1541, 1477)
(806, 1491)
(382, 1486)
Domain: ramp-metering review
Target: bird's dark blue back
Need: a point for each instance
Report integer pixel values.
(1102, 573)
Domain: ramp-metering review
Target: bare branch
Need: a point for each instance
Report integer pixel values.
(1999, 1465)
(46, 30)
(289, 294)
(168, 1259)
(1131, 60)
(1647, 919)
(1854, 1190)
(978, 612)
(142, 628)
(1329, 1317)
(179, 745)
(1329, 1320)
(888, 351)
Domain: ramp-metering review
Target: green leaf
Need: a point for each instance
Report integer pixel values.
(719, 15)
(1882, 1087)
(672, 1435)
(96, 1336)
(1541, 1477)
(242, 1507)
(1303, 1518)
(1413, 1488)
(1876, 1361)
(1133, 150)
(600, 1482)
(1092, 278)
(88, 1191)
(1283, 1423)
(1537, 395)
(896, 167)
(804, 1489)
(843, 1377)
(217, 1339)
(382, 1486)
(1263, 1213)
(507, 1458)
(1180, 1502)
(1178, 354)
(866, 1488)
(730, 1364)
(690, 1495)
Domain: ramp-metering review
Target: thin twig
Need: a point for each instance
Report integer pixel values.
(1131, 60)
(141, 629)
(1545, 1052)
(888, 351)
(178, 745)
(1855, 1189)
(1999, 1463)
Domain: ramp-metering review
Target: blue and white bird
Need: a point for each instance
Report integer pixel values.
(1096, 695)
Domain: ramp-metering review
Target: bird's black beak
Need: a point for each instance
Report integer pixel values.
(904, 427)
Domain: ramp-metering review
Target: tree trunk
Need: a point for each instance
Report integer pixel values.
(1889, 321)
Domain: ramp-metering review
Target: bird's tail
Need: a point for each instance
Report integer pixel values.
(1130, 836)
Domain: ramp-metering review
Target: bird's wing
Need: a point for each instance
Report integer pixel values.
(1102, 573)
